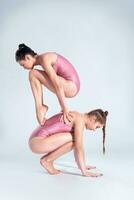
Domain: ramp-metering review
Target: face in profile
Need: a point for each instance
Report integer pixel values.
(93, 124)
(27, 63)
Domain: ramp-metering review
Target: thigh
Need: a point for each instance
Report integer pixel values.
(44, 79)
(69, 87)
(47, 144)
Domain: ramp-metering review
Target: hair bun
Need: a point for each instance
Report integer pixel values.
(106, 113)
(22, 46)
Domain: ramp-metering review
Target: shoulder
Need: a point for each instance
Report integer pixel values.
(48, 57)
(77, 118)
(78, 124)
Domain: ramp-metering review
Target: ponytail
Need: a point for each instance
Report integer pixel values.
(101, 116)
(104, 134)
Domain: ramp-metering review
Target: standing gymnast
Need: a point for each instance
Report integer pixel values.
(57, 138)
(58, 75)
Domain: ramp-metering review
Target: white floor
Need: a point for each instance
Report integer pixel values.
(25, 179)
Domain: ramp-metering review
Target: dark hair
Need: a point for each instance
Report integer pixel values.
(22, 51)
(101, 117)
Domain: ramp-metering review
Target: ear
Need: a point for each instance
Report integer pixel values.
(27, 57)
(94, 118)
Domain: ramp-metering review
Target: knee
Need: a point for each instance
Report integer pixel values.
(33, 146)
(32, 74)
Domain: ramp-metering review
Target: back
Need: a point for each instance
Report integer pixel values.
(52, 126)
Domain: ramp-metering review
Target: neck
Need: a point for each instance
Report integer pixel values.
(36, 62)
(85, 118)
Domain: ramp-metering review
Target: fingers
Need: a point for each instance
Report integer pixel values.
(61, 119)
(66, 121)
(90, 167)
(88, 174)
(64, 118)
(70, 114)
(94, 175)
(67, 116)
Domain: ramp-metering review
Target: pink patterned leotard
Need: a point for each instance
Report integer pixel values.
(66, 70)
(51, 126)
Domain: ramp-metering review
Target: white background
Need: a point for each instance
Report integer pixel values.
(97, 38)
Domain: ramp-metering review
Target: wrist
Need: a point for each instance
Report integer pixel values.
(83, 172)
(64, 108)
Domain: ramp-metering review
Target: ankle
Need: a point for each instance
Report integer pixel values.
(44, 105)
(47, 159)
(39, 106)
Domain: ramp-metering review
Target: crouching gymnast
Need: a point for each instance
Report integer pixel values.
(56, 138)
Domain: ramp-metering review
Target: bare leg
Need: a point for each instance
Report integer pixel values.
(47, 160)
(53, 146)
(38, 77)
(36, 87)
(48, 144)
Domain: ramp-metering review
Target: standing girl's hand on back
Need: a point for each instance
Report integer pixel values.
(66, 116)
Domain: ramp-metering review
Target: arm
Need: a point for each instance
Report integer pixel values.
(79, 151)
(78, 144)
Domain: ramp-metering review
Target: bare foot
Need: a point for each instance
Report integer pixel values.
(48, 165)
(41, 112)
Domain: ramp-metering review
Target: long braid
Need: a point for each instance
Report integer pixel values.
(104, 134)
(101, 117)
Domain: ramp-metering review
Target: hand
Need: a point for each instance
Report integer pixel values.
(66, 116)
(90, 174)
(90, 167)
